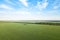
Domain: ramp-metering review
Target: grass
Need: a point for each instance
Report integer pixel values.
(19, 31)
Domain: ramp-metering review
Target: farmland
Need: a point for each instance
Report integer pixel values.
(22, 31)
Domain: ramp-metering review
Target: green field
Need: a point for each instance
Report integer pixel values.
(19, 31)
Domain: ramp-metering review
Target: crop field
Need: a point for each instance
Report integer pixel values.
(22, 31)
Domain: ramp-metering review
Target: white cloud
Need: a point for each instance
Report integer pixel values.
(56, 4)
(9, 2)
(5, 6)
(42, 6)
(26, 15)
(22, 12)
(17, 15)
(55, 7)
(24, 2)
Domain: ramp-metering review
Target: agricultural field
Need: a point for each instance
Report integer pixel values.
(22, 31)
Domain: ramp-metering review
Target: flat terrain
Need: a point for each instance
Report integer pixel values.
(21, 31)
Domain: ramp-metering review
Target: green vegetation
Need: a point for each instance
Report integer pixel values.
(49, 23)
(22, 31)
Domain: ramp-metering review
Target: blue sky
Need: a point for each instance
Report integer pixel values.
(29, 9)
